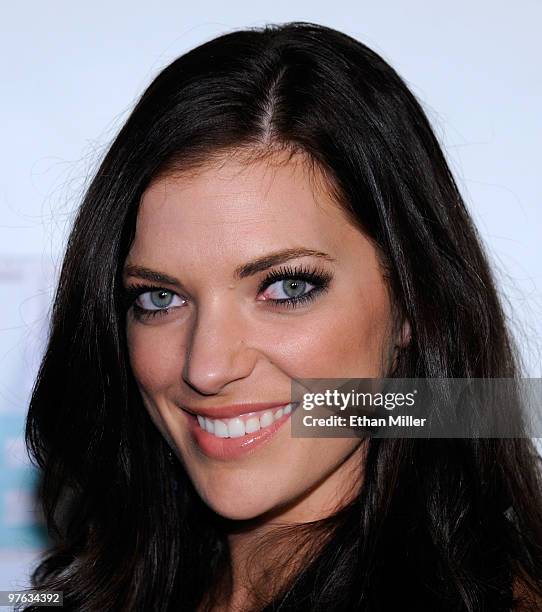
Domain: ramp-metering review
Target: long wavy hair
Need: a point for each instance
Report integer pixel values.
(441, 524)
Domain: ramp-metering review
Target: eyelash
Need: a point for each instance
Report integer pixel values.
(315, 276)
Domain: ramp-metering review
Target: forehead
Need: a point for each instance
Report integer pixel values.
(234, 206)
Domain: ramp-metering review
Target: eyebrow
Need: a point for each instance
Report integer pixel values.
(278, 257)
(249, 269)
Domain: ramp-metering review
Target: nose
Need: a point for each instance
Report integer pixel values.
(217, 352)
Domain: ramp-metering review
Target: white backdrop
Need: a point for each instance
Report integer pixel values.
(71, 72)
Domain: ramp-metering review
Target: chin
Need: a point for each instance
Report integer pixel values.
(237, 513)
(239, 503)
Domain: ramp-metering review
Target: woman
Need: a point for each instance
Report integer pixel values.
(275, 207)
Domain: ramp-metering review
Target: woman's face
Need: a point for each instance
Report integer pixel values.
(212, 339)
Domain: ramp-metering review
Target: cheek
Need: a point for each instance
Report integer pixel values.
(346, 339)
(361, 337)
(156, 356)
(360, 330)
(309, 460)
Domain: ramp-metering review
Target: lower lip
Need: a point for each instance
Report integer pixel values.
(232, 448)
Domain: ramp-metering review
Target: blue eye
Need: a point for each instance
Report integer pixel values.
(289, 288)
(294, 286)
(298, 285)
(153, 300)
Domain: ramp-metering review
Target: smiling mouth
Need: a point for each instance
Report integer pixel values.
(244, 424)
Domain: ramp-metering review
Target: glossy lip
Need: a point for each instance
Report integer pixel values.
(234, 410)
(225, 449)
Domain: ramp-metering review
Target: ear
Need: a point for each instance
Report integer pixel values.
(401, 341)
(405, 334)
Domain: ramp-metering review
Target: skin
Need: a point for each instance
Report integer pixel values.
(221, 343)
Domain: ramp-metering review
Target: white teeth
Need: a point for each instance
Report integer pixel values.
(266, 419)
(237, 427)
(221, 429)
(252, 425)
(209, 425)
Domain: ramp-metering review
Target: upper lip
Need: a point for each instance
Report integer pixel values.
(219, 412)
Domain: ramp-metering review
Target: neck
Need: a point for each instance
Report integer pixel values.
(268, 551)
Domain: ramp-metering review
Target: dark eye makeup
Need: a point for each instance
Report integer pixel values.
(319, 278)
